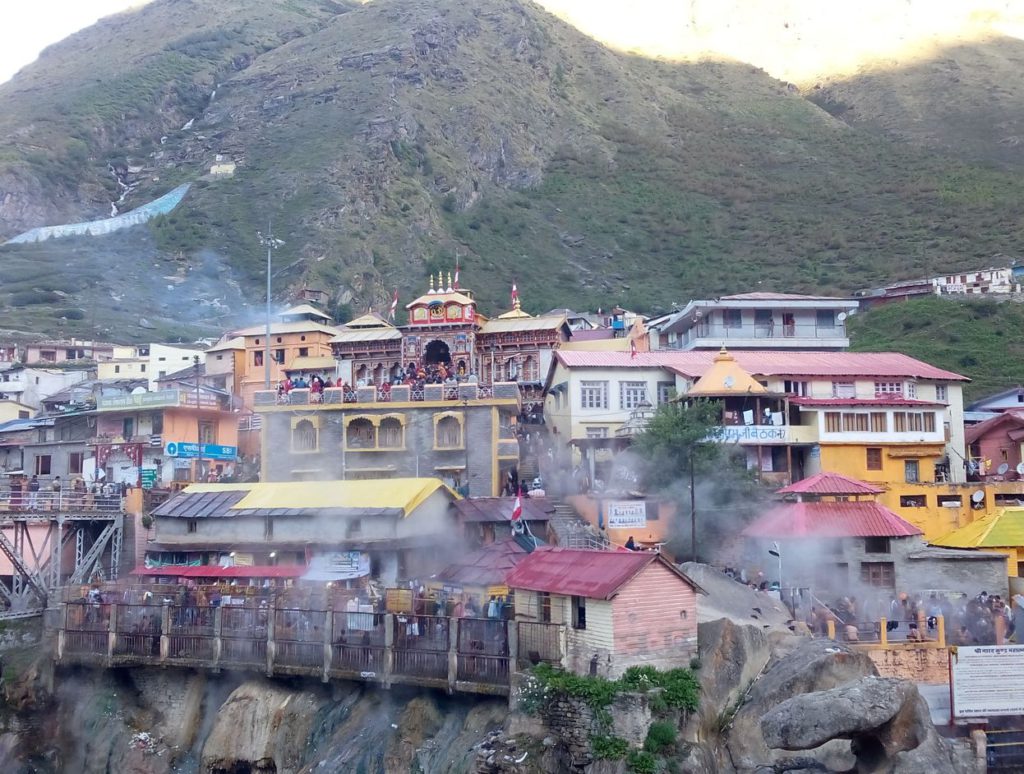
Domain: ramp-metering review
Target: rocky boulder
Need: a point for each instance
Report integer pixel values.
(885, 720)
(810, 666)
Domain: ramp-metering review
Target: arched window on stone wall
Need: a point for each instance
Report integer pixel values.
(361, 434)
(304, 436)
(511, 371)
(390, 434)
(449, 433)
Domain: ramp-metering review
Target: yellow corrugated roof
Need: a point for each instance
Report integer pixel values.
(1003, 529)
(726, 377)
(312, 362)
(405, 494)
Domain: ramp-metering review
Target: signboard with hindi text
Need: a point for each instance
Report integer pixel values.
(987, 680)
(628, 514)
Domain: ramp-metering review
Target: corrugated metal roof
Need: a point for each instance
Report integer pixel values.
(312, 363)
(580, 573)
(305, 309)
(593, 334)
(1003, 529)
(298, 326)
(767, 296)
(508, 325)
(442, 296)
(830, 484)
(235, 342)
(367, 334)
(1011, 419)
(765, 363)
(499, 509)
(197, 505)
(863, 402)
(830, 520)
(487, 566)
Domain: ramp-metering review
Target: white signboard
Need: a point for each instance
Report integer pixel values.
(626, 515)
(987, 680)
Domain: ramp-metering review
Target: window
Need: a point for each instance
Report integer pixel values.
(874, 458)
(127, 427)
(157, 421)
(75, 460)
(579, 612)
(303, 351)
(390, 434)
(278, 339)
(878, 574)
(942, 393)
(899, 421)
(800, 389)
(268, 528)
(117, 369)
(825, 318)
(888, 389)
(220, 357)
(911, 389)
(855, 423)
(833, 422)
(354, 528)
(594, 395)
(142, 368)
(597, 432)
(192, 526)
(844, 390)
(545, 607)
(911, 471)
(732, 318)
(913, 421)
(876, 545)
(955, 501)
(361, 434)
(666, 390)
(43, 465)
(632, 394)
(257, 358)
(304, 436)
(279, 356)
(207, 432)
(449, 433)
(878, 422)
(912, 501)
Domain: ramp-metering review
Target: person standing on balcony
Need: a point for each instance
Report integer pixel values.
(56, 488)
(33, 493)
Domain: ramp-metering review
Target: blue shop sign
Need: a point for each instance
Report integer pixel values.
(210, 451)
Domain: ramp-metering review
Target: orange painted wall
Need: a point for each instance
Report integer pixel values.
(182, 424)
(253, 376)
(656, 531)
(655, 616)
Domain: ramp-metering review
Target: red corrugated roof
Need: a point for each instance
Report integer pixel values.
(863, 402)
(579, 573)
(593, 334)
(766, 363)
(487, 566)
(830, 484)
(1010, 418)
(830, 520)
(499, 509)
(213, 571)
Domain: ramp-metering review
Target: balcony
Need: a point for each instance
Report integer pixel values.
(363, 396)
(793, 335)
(161, 399)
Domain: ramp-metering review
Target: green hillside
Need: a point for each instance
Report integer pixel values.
(977, 338)
(382, 138)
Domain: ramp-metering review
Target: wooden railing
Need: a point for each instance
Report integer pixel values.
(472, 655)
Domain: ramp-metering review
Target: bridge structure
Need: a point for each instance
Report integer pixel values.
(57, 538)
(468, 655)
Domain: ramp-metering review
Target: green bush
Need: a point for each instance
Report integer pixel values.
(611, 748)
(660, 736)
(642, 762)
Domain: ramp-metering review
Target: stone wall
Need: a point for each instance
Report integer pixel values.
(921, 665)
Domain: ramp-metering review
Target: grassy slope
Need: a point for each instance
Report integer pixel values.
(978, 338)
(589, 176)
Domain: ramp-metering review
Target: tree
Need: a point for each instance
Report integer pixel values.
(677, 432)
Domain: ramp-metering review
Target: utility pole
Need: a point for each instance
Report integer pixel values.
(693, 509)
(271, 244)
(199, 423)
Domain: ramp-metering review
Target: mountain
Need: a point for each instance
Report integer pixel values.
(383, 138)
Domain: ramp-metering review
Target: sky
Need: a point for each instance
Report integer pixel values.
(26, 28)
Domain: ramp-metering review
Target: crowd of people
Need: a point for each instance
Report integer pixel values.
(32, 494)
(415, 376)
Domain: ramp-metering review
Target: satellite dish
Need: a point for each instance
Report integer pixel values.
(139, 390)
(1001, 470)
(1020, 468)
(841, 316)
(978, 496)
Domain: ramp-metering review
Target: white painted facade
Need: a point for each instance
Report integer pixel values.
(29, 386)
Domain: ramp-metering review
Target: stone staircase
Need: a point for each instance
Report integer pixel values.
(571, 531)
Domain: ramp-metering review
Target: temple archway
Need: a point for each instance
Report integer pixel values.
(437, 352)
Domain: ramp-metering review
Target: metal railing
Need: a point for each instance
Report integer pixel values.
(49, 500)
(463, 391)
(539, 641)
(760, 331)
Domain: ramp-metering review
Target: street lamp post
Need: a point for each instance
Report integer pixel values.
(693, 509)
(199, 424)
(271, 244)
(777, 553)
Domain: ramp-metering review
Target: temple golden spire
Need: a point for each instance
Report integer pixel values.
(449, 285)
(431, 283)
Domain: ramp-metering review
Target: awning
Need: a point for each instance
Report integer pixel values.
(215, 571)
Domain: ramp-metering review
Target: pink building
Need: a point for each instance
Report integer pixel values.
(994, 443)
(619, 608)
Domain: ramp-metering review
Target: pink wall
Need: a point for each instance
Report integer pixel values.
(994, 443)
(654, 617)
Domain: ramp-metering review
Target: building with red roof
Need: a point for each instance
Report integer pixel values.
(834, 535)
(620, 608)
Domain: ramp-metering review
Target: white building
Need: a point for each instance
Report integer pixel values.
(1003, 280)
(148, 361)
(28, 386)
(756, 321)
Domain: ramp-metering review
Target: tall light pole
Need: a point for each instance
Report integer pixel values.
(271, 244)
(777, 553)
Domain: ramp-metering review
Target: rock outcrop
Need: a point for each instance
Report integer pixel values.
(885, 720)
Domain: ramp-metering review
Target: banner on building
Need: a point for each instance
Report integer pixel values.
(626, 514)
(987, 680)
(337, 566)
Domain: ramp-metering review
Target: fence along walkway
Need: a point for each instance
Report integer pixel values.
(472, 655)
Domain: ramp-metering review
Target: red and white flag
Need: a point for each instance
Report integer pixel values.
(515, 292)
(394, 305)
(455, 284)
(632, 348)
(517, 509)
